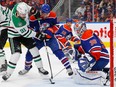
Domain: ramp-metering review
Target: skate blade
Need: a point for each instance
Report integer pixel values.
(44, 77)
(2, 73)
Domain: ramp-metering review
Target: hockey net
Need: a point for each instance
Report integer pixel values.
(112, 50)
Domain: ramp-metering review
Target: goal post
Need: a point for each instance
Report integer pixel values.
(111, 53)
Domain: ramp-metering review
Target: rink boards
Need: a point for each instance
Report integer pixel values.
(101, 29)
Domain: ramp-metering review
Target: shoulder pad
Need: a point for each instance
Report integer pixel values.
(87, 34)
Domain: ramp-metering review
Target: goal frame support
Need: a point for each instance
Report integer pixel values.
(111, 54)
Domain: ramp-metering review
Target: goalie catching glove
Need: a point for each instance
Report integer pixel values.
(86, 62)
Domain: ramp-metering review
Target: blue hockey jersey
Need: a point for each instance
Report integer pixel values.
(64, 33)
(47, 25)
(91, 44)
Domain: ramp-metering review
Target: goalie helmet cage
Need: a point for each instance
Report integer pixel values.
(111, 53)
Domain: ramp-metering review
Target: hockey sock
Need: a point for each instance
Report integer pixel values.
(2, 57)
(65, 62)
(36, 56)
(28, 65)
(62, 58)
(12, 63)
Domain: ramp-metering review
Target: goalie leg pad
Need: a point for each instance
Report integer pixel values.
(89, 78)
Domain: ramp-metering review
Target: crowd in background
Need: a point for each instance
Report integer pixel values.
(104, 10)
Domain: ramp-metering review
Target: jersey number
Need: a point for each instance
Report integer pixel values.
(22, 30)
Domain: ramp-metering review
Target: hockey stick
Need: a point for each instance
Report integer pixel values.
(105, 84)
(49, 63)
(58, 72)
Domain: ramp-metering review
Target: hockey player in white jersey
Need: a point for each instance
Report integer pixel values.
(4, 22)
(21, 34)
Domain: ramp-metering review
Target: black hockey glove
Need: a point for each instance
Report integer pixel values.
(35, 12)
(41, 36)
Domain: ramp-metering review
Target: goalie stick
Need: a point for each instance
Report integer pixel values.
(59, 72)
(51, 78)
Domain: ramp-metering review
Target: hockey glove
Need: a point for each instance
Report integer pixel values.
(35, 12)
(41, 36)
(86, 62)
(91, 60)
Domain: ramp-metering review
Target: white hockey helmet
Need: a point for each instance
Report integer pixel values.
(79, 28)
(22, 8)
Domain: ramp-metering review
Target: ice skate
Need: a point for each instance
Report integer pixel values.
(106, 82)
(3, 67)
(43, 71)
(6, 76)
(70, 72)
(115, 73)
(24, 71)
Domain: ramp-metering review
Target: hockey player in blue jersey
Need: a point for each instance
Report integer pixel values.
(47, 24)
(65, 36)
(95, 56)
(92, 47)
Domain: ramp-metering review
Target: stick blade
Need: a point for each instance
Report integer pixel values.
(51, 81)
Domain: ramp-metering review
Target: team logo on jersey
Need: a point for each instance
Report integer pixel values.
(63, 32)
(44, 26)
(20, 24)
(93, 42)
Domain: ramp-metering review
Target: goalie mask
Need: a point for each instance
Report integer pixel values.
(79, 28)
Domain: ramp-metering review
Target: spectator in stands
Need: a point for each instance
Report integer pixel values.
(3, 2)
(114, 13)
(88, 9)
(87, 2)
(102, 7)
(101, 18)
(81, 9)
(109, 17)
(109, 9)
(11, 4)
(89, 17)
(78, 17)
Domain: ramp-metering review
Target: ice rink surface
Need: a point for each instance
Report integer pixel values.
(34, 79)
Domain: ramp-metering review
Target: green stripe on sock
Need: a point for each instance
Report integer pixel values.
(13, 67)
(37, 60)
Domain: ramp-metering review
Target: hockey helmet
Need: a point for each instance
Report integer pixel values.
(69, 20)
(45, 8)
(22, 8)
(79, 28)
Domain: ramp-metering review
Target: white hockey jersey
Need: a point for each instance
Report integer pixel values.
(20, 26)
(4, 17)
